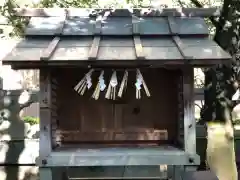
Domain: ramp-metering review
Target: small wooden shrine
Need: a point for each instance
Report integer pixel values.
(117, 85)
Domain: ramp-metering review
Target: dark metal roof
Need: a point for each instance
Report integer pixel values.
(114, 26)
(113, 40)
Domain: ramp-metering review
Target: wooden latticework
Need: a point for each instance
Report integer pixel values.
(180, 111)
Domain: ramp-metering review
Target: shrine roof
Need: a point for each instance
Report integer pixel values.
(112, 38)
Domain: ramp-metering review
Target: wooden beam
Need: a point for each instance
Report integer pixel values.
(96, 40)
(138, 47)
(180, 46)
(98, 25)
(189, 119)
(136, 40)
(176, 12)
(94, 48)
(48, 52)
(45, 116)
(173, 27)
(135, 26)
(176, 39)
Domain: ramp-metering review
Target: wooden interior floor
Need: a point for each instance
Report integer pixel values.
(80, 155)
(114, 149)
(122, 172)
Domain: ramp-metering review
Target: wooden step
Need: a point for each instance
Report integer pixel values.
(199, 175)
(131, 172)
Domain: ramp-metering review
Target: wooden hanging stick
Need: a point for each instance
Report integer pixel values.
(123, 84)
(111, 91)
(144, 84)
(107, 96)
(80, 87)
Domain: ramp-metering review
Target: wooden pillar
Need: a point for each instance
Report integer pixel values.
(45, 124)
(189, 119)
(180, 112)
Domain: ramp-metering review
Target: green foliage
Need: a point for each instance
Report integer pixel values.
(19, 23)
(31, 120)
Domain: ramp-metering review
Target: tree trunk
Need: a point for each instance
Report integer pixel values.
(220, 151)
(221, 83)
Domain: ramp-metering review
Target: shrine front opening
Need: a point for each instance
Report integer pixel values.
(150, 121)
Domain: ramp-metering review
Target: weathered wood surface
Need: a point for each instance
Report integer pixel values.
(45, 145)
(48, 52)
(137, 120)
(125, 172)
(116, 51)
(199, 175)
(189, 119)
(83, 26)
(191, 12)
(93, 52)
(90, 155)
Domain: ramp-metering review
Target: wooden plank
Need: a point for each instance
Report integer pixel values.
(48, 52)
(54, 110)
(199, 175)
(93, 53)
(45, 173)
(204, 53)
(189, 119)
(172, 26)
(70, 156)
(159, 54)
(128, 172)
(180, 47)
(98, 25)
(180, 111)
(138, 47)
(135, 26)
(137, 40)
(152, 26)
(176, 12)
(43, 26)
(192, 26)
(117, 26)
(176, 38)
(79, 26)
(45, 146)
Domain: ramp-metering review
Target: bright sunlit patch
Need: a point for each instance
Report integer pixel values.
(236, 95)
(5, 137)
(11, 79)
(4, 125)
(207, 50)
(24, 97)
(36, 1)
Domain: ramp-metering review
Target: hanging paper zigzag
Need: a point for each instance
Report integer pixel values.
(86, 83)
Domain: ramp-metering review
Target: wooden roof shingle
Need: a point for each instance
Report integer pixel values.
(115, 40)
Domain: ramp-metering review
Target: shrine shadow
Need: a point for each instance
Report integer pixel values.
(15, 133)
